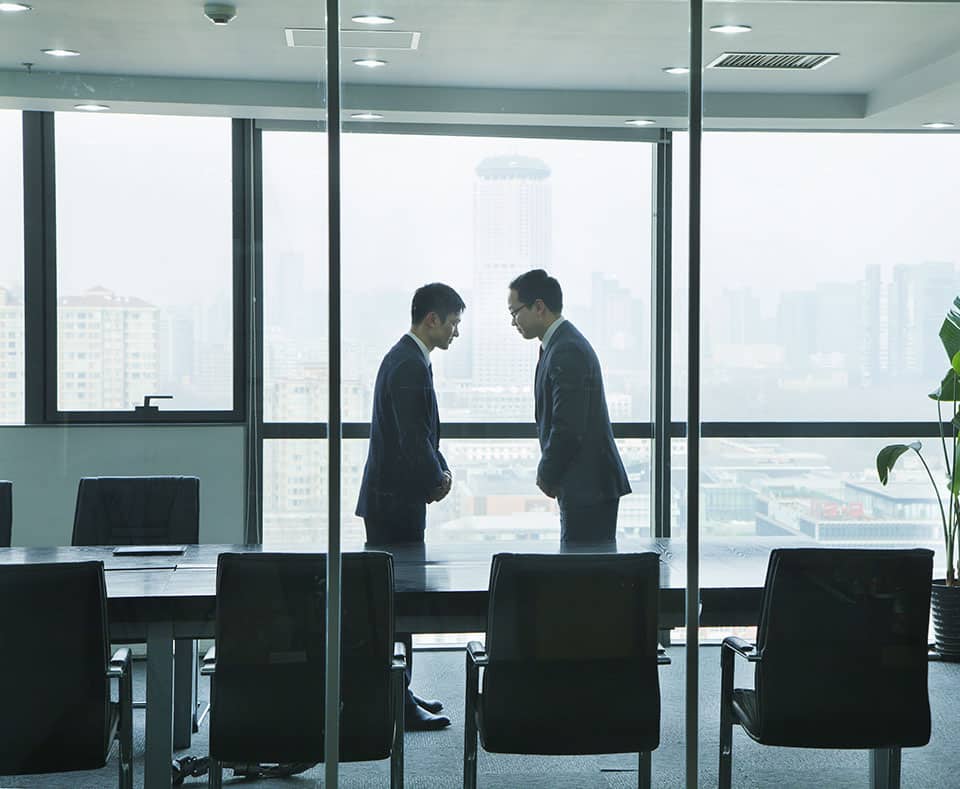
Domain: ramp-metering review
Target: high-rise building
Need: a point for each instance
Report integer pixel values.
(920, 296)
(512, 233)
(11, 358)
(107, 351)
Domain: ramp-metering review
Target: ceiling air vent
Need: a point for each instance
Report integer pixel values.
(353, 39)
(778, 61)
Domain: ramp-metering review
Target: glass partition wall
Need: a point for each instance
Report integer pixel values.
(828, 264)
(177, 199)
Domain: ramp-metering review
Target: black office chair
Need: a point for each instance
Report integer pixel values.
(6, 513)
(841, 657)
(267, 668)
(567, 634)
(147, 511)
(137, 511)
(55, 673)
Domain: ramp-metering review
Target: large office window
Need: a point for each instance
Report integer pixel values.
(11, 269)
(473, 212)
(144, 262)
(829, 262)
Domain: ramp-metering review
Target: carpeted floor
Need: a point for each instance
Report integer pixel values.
(434, 759)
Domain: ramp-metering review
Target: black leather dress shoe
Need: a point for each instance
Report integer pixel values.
(416, 718)
(430, 705)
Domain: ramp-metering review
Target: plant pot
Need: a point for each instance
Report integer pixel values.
(945, 606)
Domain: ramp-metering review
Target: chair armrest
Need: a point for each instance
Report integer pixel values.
(399, 660)
(477, 653)
(119, 663)
(208, 665)
(663, 659)
(741, 647)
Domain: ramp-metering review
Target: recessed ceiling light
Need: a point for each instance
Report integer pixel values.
(939, 125)
(61, 53)
(730, 29)
(639, 122)
(366, 116)
(369, 62)
(91, 107)
(372, 19)
(677, 70)
(13, 8)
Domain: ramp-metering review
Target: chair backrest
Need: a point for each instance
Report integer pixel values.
(53, 668)
(137, 511)
(843, 645)
(6, 512)
(268, 690)
(572, 648)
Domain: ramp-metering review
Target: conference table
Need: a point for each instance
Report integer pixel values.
(439, 588)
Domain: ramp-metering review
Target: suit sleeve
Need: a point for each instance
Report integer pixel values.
(412, 411)
(571, 391)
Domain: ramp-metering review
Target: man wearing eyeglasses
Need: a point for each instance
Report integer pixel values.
(405, 470)
(580, 465)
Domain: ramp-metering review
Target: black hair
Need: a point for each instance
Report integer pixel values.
(537, 284)
(435, 297)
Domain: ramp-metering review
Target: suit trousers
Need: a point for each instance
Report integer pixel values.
(590, 523)
(382, 533)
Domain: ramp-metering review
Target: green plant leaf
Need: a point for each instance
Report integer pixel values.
(949, 389)
(955, 482)
(950, 331)
(888, 456)
(955, 362)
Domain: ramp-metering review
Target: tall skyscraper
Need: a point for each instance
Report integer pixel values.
(920, 296)
(512, 234)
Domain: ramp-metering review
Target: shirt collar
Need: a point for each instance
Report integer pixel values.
(423, 348)
(548, 334)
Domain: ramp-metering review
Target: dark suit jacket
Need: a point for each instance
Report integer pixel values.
(404, 464)
(579, 459)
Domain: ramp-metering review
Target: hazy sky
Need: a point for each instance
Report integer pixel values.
(144, 208)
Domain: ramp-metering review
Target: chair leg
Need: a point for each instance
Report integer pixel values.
(885, 768)
(725, 777)
(125, 729)
(470, 726)
(644, 771)
(215, 775)
(396, 755)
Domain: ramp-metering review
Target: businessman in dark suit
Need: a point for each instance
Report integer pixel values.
(579, 465)
(405, 470)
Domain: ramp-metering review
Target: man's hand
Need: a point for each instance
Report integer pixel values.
(441, 492)
(548, 491)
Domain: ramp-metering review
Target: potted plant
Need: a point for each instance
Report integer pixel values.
(945, 598)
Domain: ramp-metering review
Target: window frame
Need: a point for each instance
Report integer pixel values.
(40, 289)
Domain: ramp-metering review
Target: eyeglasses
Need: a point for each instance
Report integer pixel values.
(514, 311)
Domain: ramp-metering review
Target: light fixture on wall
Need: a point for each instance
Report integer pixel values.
(13, 8)
(60, 53)
(730, 29)
(938, 125)
(91, 107)
(639, 122)
(366, 116)
(676, 69)
(369, 62)
(372, 19)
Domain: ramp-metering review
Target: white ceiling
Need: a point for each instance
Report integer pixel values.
(528, 62)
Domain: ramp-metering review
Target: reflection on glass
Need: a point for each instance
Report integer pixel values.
(11, 269)
(144, 261)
